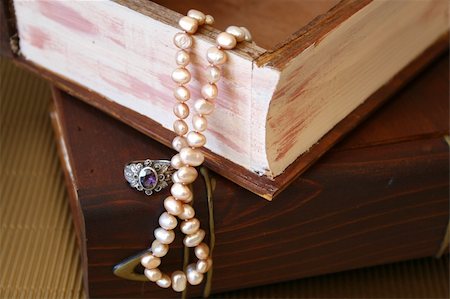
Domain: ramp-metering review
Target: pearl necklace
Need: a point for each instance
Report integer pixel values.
(189, 157)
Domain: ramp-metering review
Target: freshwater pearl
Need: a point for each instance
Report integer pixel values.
(175, 178)
(190, 226)
(201, 251)
(193, 276)
(183, 40)
(198, 15)
(182, 58)
(159, 249)
(164, 281)
(181, 110)
(179, 142)
(179, 281)
(216, 56)
(153, 274)
(204, 265)
(180, 127)
(181, 75)
(180, 191)
(199, 123)
(188, 212)
(195, 139)
(203, 107)
(173, 206)
(226, 40)
(187, 200)
(167, 221)
(187, 174)
(209, 91)
(194, 239)
(188, 24)
(182, 94)
(248, 35)
(164, 236)
(176, 162)
(191, 157)
(237, 32)
(150, 262)
(209, 20)
(213, 74)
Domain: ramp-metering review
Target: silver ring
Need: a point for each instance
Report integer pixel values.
(149, 175)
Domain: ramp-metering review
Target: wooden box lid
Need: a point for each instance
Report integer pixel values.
(313, 65)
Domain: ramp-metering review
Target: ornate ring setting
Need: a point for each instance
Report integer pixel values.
(149, 175)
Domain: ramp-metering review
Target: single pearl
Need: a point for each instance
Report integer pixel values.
(176, 162)
(213, 74)
(153, 274)
(182, 94)
(179, 142)
(190, 226)
(216, 56)
(209, 91)
(150, 262)
(187, 174)
(181, 110)
(180, 191)
(188, 199)
(180, 127)
(195, 139)
(179, 281)
(159, 249)
(164, 236)
(175, 178)
(164, 281)
(194, 239)
(188, 212)
(201, 251)
(198, 15)
(173, 206)
(182, 58)
(203, 107)
(181, 75)
(188, 24)
(183, 40)
(204, 265)
(226, 40)
(192, 157)
(209, 20)
(167, 221)
(248, 35)
(193, 276)
(199, 123)
(237, 32)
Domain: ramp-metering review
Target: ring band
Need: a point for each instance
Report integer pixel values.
(149, 175)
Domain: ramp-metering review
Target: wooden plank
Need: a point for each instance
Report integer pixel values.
(368, 201)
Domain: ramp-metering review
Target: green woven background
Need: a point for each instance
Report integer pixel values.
(40, 259)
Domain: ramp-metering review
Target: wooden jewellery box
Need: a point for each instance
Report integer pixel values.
(316, 69)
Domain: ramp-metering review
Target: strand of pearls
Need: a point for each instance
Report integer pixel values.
(178, 204)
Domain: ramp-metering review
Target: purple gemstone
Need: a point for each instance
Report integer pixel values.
(148, 178)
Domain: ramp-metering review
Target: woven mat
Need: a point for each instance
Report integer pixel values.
(39, 256)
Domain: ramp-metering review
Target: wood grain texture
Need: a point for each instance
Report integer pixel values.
(275, 104)
(379, 196)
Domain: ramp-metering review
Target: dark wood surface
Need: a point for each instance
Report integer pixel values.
(380, 196)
